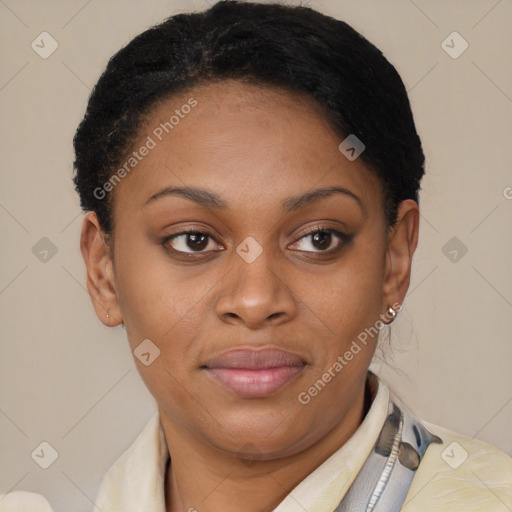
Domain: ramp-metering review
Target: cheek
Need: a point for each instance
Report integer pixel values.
(351, 300)
(159, 305)
(156, 298)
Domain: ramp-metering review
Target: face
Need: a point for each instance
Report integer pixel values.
(252, 253)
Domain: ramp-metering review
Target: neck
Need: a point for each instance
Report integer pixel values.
(206, 479)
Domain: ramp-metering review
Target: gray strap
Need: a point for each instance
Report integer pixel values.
(386, 476)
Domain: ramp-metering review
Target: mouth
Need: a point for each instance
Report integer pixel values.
(255, 373)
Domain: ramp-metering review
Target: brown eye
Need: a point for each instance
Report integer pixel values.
(188, 241)
(322, 240)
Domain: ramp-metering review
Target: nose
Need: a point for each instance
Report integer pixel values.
(255, 293)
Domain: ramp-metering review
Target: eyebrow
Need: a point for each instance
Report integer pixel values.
(211, 200)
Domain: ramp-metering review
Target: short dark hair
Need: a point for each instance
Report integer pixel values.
(294, 47)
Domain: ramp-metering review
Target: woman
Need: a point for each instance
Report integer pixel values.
(251, 178)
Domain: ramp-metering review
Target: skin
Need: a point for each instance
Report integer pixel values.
(254, 147)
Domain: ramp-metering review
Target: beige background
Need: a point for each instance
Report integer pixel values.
(68, 380)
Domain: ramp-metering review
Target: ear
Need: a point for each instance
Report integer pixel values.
(402, 242)
(100, 274)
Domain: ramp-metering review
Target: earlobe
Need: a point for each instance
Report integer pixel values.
(402, 243)
(100, 276)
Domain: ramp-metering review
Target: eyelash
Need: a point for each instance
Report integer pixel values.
(343, 237)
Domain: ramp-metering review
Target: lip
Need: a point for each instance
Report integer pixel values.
(255, 373)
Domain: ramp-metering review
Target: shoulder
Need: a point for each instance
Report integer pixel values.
(135, 481)
(20, 501)
(460, 474)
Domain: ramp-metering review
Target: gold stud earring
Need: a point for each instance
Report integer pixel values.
(391, 312)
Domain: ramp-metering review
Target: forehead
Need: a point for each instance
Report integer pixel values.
(251, 144)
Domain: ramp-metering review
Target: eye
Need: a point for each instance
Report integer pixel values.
(323, 240)
(193, 241)
(188, 241)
